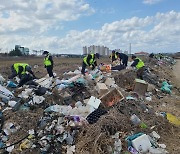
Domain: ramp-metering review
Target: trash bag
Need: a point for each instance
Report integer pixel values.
(40, 91)
(166, 87)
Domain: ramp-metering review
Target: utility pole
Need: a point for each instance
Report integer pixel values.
(129, 48)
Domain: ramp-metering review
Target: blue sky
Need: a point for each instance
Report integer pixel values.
(65, 26)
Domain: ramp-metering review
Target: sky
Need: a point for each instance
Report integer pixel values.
(65, 26)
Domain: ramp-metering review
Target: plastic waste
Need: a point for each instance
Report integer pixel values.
(26, 144)
(9, 149)
(132, 150)
(135, 120)
(149, 99)
(17, 105)
(26, 93)
(10, 128)
(45, 82)
(1, 144)
(1, 79)
(70, 149)
(40, 91)
(11, 84)
(5, 93)
(117, 144)
(69, 139)
(141, 143)
(166, 87)
(173, 119)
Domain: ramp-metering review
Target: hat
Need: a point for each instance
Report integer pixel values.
(133, 56)
(45, 52)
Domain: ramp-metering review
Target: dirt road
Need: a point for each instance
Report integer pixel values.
(176, 71)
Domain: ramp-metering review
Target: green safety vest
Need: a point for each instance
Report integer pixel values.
(47, 62)
(140, 63)
(92, 60)
(16, 67)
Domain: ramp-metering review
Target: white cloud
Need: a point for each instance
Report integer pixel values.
(158, 33)
(39, 15)
(150, 2)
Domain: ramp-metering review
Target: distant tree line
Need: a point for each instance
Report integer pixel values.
(15, 52)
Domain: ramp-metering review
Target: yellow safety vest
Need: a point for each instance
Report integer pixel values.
(16, 67)
(92, 60)
(47, 62)
(116, 57)
(140, 63)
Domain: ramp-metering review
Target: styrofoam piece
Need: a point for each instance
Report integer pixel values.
(141, 143)
(5, 93)
(12, 103)
(94, 102)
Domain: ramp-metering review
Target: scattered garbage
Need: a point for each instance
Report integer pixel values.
(85, 114)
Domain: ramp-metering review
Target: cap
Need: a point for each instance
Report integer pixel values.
(45, 52)
(133, 56)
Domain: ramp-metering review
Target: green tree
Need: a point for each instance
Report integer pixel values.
(15, 52)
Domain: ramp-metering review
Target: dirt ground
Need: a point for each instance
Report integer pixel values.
(61, 65)
(169, 103)
(176, 71)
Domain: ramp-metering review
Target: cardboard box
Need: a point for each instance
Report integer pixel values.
(140, 86)
(112, 97)
(101, 88)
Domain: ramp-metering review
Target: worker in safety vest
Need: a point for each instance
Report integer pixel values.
(139, 64)
(89, 60)
(24, 72)
(113, 56)
(123, 58)
(20, 69)
(48, 63)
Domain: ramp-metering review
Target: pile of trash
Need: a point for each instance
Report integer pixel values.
(102, 112)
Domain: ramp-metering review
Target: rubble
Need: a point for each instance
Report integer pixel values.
(101, 112)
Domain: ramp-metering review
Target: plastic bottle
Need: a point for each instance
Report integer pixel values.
(135, 120)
